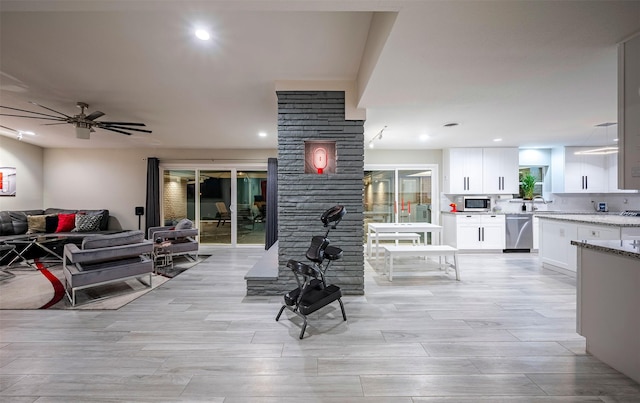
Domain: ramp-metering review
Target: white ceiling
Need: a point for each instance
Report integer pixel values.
(534, 73)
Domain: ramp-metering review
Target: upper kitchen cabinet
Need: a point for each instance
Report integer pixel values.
(480, 170)
(500, 170)
(574, 172)
(462, 170)
(612, 170)
(629, 112)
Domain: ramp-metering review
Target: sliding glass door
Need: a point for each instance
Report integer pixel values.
(215, 207)
(251, 192)
(400, 195)
(178, 195)
(226, 205)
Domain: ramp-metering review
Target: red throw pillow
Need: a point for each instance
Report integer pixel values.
(66, 222)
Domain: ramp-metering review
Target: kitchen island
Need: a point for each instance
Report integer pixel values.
(558, 230)
(608, 299)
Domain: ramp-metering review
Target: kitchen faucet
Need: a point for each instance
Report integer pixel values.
(533, 208)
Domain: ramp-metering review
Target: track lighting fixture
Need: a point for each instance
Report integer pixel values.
(376, 137)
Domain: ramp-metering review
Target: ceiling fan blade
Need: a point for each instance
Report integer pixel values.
(10, 129)
(35, 113)
(122, 123)
(34, 117)
(115, 130)
(124, 128)
(53, 124)
(94, 115)
(49, 109)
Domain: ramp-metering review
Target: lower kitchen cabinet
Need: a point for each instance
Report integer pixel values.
(474, 231)
(555, 236)
(555, 247)
(536, 233)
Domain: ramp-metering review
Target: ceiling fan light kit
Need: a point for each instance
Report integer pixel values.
(84, 124)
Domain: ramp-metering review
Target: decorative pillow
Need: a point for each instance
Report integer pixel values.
(185, 223)
(36, 223)
(87, 223)
(66, 222)
(51, 223)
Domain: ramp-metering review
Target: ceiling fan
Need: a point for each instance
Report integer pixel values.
(83, 123)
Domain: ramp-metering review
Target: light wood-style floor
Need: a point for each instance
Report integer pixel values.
(505, 333)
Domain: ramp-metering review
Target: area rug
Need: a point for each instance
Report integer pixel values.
(42, 288)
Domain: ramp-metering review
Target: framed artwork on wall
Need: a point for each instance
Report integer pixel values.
(320, 157)
(7, 181)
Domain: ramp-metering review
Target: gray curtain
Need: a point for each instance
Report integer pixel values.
(152, 213)
(271, 235)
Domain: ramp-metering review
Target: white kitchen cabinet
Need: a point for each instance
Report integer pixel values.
(612, 173)
(555, 244)
(556, 250)
(500, 167)
(629, 233)
(480, 170)
(579, 173)
(463, 170)
(475, 231)
(536, 233)
(598, 232)
(629, 111)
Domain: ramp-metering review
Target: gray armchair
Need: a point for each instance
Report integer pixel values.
(178, 240)
(103, 259)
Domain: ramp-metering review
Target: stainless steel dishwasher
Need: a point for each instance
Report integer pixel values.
(519, 232)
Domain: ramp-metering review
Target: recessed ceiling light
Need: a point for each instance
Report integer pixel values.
(451, 124)
(496, 140)
(424, 137)
(203, 34)
(262, 134)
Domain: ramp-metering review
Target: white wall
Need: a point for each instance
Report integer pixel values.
(402, 157)
(27, 159)
(115, 179)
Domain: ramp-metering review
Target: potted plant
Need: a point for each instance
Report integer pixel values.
(527, 184)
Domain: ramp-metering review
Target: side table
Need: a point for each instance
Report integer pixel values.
(162, 255)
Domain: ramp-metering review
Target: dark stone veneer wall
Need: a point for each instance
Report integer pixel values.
(302, 198)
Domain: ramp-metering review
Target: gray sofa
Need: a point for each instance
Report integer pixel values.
(14, 224)
(103, 259)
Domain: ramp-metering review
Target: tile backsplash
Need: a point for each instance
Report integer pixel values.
(586, 203)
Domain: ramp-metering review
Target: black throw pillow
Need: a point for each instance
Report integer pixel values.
(51, 224)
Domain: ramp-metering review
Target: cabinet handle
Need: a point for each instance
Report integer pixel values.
(586, 182)
(479, 236)
(482, 234)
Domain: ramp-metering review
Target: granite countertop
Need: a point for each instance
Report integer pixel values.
(625, 247)
(604, 219)
(536, 213)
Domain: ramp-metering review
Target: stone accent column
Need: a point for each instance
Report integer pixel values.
(302, 198)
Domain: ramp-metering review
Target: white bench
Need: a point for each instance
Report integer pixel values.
(391, 251)
(394, 236)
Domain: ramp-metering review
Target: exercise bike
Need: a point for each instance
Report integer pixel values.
(313, 292)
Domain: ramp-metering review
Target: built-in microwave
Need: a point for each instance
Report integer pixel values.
(475, 203)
